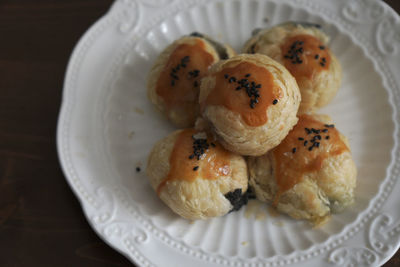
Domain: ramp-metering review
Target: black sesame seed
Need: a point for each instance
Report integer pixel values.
(327, 137)
(137, 169)
(294, 150)
(321, 47)
(275, 102)
(183, 65)
(323, 59)
(305, 143)
(196, 168)
(316, 144)
(226, 76)
(294, 52)
(212, 144)
(308, 131)
(322, 64)
(196, 83)
(329, 125)
(199, 148)
(325, 130)
(316, 56)
(318, 137)
(250, 88)
(310, 148)
(301, 138)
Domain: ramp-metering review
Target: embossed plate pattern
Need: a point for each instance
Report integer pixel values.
(107, 128)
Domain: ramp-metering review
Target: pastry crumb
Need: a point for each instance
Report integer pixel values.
(255, 209)
(81, 154)
(138, 110)
(261, 215)
(278, 223)
(272, 211)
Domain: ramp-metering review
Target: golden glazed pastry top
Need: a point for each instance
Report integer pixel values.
(195, 176)
(305, 148)
(247, 89)
(250, 102)
(173, 83)
(305, 56)
(196, 158)
(182, 72)
(303, 49)
(310, 175)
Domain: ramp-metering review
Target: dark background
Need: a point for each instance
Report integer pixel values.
(41, 221)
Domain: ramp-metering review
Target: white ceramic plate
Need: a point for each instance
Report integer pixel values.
(107, 128)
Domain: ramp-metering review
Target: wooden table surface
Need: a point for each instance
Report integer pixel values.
(41, 221)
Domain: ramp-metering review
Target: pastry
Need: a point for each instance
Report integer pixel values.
(174, 80)
(250, 102)
(302, 49)
(310, 175)
(195, 176)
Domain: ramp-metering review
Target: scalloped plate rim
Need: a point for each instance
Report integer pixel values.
(63, 110)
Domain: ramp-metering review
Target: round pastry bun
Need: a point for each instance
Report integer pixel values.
(188, 192)
(233, 131)
(311, 194)
(318, 88)
(181, 107)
